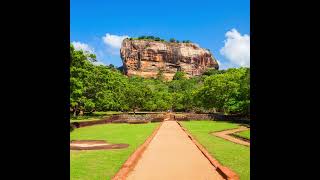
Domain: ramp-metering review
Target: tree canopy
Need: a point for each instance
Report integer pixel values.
(105, 88)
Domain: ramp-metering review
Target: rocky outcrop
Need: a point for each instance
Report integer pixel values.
(147, 58)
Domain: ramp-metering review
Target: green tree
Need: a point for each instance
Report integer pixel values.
(179, 75)
(172, 40)
(105, 88)
(226, 91)
(95, 87)
(137, 94)
(160, 75)
(212, 71)
(80, 66)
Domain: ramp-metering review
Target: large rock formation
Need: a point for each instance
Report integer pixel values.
(147, 58)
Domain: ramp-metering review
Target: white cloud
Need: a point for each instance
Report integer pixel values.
(237, 48)
(83, 46)
(113, 41)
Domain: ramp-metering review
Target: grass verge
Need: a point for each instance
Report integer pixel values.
(103, 164)
(234, 156)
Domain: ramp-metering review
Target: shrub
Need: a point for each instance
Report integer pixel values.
(179, 75)
(172, 40)
(72, 127)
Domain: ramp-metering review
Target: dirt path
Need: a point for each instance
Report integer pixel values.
(225, 135)
(171, 155)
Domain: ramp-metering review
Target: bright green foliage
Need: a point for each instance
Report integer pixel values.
(228, 92)
(148, 38)
(137, 93)
(160, 98)
(210, 72)
(105, 88)
(153, 38)
(95, 87)
(183, 93)
(179, 75)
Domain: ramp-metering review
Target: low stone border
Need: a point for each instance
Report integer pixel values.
(212, 116)
(224, 171)
(94, 145)
(121, 118)
(231, 136)
(239, 137)
(133, 159)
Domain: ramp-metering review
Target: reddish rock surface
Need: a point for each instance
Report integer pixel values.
(146, 58)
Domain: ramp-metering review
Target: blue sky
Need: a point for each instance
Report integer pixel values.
(204, 22)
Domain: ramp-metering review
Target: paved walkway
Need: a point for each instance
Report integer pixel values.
(225, 135)
(171, 155)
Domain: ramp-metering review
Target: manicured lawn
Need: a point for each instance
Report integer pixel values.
(234, 156)
(244, 134)
(103, 164)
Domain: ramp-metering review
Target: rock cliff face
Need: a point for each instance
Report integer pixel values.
(146, 58)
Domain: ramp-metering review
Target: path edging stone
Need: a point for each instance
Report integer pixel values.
(133, 159)
(224, 171)
(232, 135)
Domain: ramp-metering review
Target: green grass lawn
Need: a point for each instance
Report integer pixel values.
(103, 164)
(244, 134)
(234, 156)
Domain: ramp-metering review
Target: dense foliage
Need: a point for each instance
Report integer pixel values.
(148, 38)
(153, 38)
(105, 88)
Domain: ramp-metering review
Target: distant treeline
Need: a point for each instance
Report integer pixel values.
(172, 40)
(105, 88)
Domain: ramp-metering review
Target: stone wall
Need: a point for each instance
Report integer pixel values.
(215, 117)
(123, 118)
